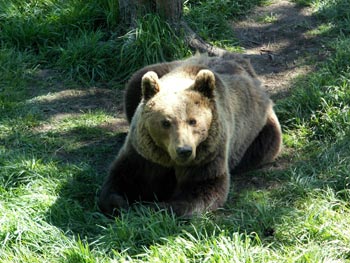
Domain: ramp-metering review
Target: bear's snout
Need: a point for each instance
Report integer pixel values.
(184, 152)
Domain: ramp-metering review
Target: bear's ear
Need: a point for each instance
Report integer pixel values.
(150, 85)
(205, 83)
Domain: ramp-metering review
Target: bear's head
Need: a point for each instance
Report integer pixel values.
(176, 115)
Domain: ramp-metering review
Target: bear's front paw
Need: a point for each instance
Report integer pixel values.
(113, 204)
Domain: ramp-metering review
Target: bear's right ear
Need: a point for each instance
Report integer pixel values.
(150, 85)
(205, 83)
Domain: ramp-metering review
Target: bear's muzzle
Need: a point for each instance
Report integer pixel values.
(184, 152)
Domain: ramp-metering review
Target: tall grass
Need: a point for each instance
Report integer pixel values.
(84, 38)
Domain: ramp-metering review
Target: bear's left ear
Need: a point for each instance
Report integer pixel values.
(150, 85)
(205, 83)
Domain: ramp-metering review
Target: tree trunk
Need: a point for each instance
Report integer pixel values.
(130, 10)
(171, 10)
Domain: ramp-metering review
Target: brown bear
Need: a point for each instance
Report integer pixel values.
(192, 122)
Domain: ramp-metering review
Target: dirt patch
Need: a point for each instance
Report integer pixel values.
(277, 40)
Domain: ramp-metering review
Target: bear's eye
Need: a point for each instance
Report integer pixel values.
(165, 124)
(192, 122)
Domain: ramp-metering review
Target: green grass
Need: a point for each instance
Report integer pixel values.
(56, 142)
(271, 18)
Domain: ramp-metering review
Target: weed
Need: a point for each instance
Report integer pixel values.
(271, 18)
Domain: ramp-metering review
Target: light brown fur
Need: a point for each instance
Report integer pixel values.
(192, 122)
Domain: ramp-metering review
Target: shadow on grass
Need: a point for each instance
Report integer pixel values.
(75, 210)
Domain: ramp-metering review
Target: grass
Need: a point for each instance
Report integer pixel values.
(271, 18)
(61, 64)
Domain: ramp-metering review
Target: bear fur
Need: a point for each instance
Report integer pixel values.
(192, 123)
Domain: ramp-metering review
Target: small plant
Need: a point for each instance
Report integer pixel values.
(271, 18)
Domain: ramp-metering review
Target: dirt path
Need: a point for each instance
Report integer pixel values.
(277, 38)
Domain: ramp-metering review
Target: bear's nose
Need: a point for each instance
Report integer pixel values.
(184, 151)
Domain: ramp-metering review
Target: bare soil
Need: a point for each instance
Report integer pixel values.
(277, 39)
